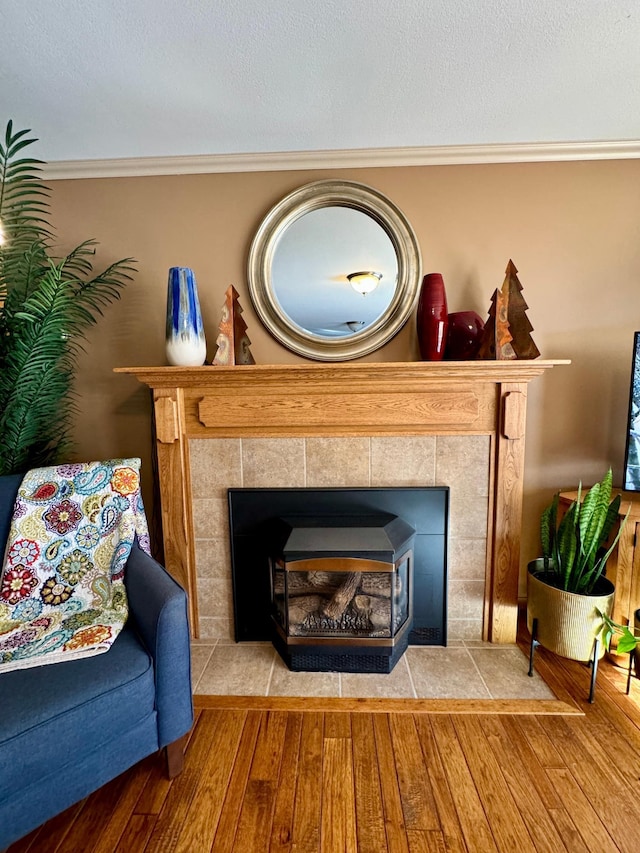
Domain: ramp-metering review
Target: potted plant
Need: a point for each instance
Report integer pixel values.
(568, 595)
(627, 642)
(46, 306)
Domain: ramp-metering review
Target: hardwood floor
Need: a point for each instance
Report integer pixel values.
(369, 781)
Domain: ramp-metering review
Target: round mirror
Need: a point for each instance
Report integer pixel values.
(334, 270)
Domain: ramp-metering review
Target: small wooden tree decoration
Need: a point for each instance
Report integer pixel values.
(519, 325)
(233, 343)
(496, 338)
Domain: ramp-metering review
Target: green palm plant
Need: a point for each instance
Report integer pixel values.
(46, 306)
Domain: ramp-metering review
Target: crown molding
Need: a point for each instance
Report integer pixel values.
(443, 155)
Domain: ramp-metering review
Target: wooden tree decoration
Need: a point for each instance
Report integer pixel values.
(519, 325)
(233, 343)
(496, 338)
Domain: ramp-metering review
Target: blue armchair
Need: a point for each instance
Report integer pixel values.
(68, 728)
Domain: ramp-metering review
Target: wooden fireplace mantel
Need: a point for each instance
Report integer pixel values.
(352, 399)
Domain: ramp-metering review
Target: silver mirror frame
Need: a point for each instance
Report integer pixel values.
(331, 193)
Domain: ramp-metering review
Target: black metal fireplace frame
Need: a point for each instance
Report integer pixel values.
(255, 534)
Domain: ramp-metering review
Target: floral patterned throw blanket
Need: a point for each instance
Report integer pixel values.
(62, 592)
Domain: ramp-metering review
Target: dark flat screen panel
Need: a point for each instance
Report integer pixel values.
(631, 480)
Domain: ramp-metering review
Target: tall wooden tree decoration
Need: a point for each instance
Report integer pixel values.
(519, 325)
(233, 343)
(496, 338)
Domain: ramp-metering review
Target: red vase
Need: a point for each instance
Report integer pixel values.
(432, 318)
(464, 336)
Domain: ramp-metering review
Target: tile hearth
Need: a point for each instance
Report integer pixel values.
(464, 670)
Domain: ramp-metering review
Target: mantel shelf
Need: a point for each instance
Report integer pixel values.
(407, 371)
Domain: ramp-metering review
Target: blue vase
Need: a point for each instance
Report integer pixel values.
(185, 345)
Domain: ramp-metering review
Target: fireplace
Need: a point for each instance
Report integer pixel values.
(340, 579)
(356, 424)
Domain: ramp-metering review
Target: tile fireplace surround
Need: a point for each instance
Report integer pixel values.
(457, 424)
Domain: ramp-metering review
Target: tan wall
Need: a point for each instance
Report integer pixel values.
(572, 229)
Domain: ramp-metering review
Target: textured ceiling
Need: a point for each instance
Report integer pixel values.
(134, 78)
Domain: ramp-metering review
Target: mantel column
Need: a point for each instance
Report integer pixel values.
(503, 540)
(174, 475)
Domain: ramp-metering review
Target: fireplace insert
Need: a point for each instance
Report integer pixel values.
(342, 594)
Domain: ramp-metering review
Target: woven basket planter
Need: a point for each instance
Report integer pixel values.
(568, 623)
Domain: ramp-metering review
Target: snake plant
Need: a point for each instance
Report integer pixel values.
(576, 546)
(47, 303)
